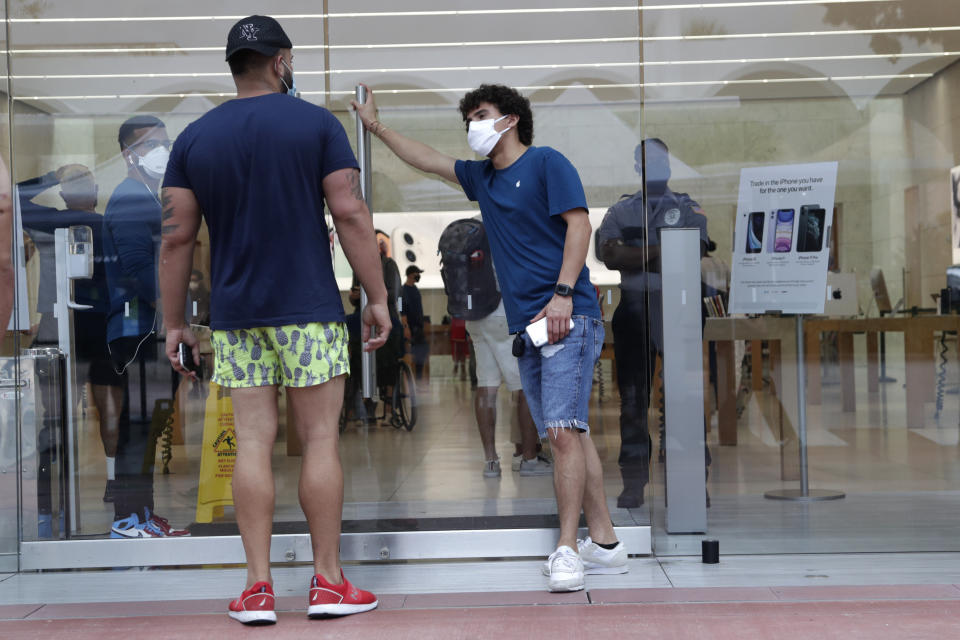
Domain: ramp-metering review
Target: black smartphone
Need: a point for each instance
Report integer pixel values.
(810, 230)
(185, 354)
(755, 231)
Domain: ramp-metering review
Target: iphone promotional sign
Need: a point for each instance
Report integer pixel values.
(782, 238)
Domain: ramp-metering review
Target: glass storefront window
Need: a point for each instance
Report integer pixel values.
(716, 89)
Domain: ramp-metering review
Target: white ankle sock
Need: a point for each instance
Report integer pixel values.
(111, 468)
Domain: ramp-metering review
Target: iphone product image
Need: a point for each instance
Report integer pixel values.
(810, 228)
(755, 232)
(783, 235)
(407, 249)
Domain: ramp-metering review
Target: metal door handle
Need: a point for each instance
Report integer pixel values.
(12, 383)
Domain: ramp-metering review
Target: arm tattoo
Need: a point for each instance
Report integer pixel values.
(354, 178)
(168, 229)
(167, 207)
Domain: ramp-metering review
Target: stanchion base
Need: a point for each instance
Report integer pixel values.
(814, 495)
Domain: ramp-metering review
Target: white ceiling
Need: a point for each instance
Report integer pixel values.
(93, 62)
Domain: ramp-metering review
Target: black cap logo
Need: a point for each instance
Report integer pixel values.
(249, 31)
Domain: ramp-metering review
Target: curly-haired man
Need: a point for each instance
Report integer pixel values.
(535, 213)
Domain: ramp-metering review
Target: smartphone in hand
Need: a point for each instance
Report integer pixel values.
(538, 332)
(185, 354)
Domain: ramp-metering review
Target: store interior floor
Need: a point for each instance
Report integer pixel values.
(902, 485)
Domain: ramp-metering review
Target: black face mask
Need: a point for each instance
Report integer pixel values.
(416, 278)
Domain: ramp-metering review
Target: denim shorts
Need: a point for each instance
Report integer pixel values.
(557, 378)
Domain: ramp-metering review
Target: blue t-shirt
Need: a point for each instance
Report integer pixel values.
(521, 207)
(131, 239)
(256, 167)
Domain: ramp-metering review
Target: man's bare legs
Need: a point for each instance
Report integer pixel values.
(108, 401)
(255, 420)
(485, 407)
(569, 476)
(578, 482)
(316, 411)
(594, 497)
(529, 438)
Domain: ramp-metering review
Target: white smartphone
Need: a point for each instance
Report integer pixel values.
(538, 332)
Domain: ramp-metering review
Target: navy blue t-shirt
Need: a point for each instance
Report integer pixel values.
(131, 239)
(521, 207)
(256, 166)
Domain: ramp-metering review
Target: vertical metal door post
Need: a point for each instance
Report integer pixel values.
(368, 361)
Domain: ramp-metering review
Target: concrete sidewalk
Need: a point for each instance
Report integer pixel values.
(796, 597)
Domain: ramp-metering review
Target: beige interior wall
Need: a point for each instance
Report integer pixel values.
(932, 131)
(718, 139)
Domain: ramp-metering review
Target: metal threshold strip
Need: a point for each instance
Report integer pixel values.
(354, 547)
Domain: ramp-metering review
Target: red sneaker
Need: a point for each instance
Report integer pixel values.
(157, 524)
(328, 600)
(255, 605)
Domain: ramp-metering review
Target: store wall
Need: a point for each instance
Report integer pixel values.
(932, 118)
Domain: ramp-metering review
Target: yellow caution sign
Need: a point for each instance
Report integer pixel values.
(218, 455)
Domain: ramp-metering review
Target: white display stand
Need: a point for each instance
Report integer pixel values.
(780, 257)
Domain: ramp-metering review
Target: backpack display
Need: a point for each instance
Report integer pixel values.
(467, 270)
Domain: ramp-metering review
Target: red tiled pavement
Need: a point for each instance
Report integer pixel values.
(700, 594)
(873, 592)
(17, 611)
(493, 599)
(740, 621)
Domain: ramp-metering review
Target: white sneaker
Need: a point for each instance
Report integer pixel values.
(539, 466)
(599, 561)
(566, 570)
(491, 469)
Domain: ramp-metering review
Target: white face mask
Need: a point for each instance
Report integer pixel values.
(155, 162)
(482, 137)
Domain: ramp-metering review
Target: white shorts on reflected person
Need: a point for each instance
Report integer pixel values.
(493, 346)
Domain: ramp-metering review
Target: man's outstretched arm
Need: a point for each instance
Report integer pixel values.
(415, 153)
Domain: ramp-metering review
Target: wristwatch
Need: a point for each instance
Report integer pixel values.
(564, 290)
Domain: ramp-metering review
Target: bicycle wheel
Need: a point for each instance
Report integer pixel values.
(405, 396)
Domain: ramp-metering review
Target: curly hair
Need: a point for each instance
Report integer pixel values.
(507, 101)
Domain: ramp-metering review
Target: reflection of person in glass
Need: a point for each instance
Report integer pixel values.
(79, 191)
(131, 234)
(393, 349)
(260, 168)
(412, 312)
(628, 241)
(6, 243)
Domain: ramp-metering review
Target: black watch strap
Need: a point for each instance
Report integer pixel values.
(563, 290)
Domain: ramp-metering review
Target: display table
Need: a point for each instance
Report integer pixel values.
(919, 335)
(780, 333)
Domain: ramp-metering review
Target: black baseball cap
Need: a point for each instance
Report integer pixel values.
(413, 269)
(262, 34)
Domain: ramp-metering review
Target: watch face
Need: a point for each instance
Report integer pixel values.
(563, 290)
